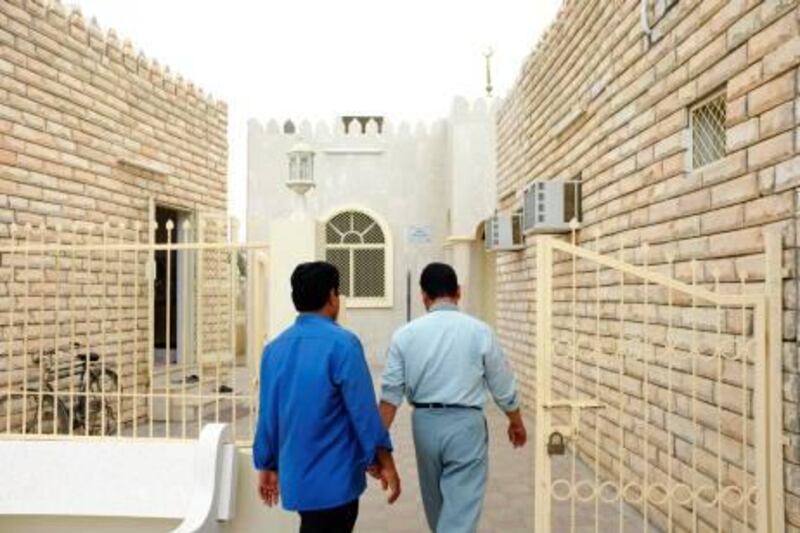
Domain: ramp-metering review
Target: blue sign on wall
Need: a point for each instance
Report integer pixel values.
(419, 234)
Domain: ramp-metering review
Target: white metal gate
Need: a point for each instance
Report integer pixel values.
(77, 321)
(658, 401)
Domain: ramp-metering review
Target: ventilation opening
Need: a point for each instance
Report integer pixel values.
(358, 124)
(708, 131)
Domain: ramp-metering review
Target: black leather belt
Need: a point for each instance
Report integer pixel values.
(444, 406)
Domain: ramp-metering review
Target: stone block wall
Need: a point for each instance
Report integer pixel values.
(600, 101)
(93, 133)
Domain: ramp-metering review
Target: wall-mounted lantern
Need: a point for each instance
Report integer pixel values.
(301, 168)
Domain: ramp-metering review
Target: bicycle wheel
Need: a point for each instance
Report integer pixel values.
(101, 413)
(43, 416)
(10, 411)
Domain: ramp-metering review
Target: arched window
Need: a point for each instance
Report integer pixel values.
(359, 247)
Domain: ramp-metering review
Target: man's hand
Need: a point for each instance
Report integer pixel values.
(390, 481)
(268, 487)
(374, 471)
(386, 471)
(517, 434)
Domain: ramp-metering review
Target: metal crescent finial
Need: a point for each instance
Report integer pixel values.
(488, 56)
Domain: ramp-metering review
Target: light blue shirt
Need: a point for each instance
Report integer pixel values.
(448, 357)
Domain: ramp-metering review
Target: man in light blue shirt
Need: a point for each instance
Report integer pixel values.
(444, 363)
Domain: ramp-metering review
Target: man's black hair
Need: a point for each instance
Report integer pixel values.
(312, 284)
(439, 280)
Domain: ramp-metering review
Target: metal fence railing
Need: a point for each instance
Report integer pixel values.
(128, 331)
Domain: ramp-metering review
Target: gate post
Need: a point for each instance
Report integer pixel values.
(256, 326)
(544, 308)
(773, 382)
(152, 226)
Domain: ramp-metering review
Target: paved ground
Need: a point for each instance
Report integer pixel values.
(508, 507)
(509, 500)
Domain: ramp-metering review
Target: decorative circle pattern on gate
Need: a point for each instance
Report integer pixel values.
(652, 369)
(357, 245)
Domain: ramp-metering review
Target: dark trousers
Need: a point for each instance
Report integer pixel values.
(340, 519)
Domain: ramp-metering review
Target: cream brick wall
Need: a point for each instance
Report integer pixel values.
(630, 147)
(74, 103)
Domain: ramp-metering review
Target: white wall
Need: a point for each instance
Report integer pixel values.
(440, 176)
(296, 241)
(251, 515)
(473, 167)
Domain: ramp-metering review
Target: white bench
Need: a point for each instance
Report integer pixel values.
(193, 481)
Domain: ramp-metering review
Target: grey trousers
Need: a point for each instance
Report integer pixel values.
(453, 462)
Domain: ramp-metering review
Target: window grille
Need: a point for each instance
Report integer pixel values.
(356, 245)
(654, 11)
(708, 131)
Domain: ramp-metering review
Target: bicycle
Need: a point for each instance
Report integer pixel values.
(88, 407)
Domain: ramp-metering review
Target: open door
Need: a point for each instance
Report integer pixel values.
(165, 328)
(172, 295)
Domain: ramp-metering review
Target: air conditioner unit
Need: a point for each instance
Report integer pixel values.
(550, 206)
(504, 232)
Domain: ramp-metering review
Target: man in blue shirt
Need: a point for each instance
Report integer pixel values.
(319, 429)
(444, 363)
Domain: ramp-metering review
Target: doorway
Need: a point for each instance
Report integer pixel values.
(489, 286)
(172, 302)
(486, 264)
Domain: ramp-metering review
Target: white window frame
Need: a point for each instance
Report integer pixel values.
(690, 140)
(387, 300)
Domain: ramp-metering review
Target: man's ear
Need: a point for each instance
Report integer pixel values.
(458, 293)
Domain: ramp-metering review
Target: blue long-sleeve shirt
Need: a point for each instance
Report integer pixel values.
(318, 423)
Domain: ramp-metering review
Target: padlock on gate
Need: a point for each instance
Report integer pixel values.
(555, 444)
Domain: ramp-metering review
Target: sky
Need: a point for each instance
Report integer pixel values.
(317, 59)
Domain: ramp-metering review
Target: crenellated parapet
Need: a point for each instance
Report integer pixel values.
(462, 110)
(533, 60)
(67, 26)
(477, 109)
(335, 130)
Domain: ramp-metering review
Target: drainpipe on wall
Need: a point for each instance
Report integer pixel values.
(648, 31)
(408, 296)
(796, 256)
